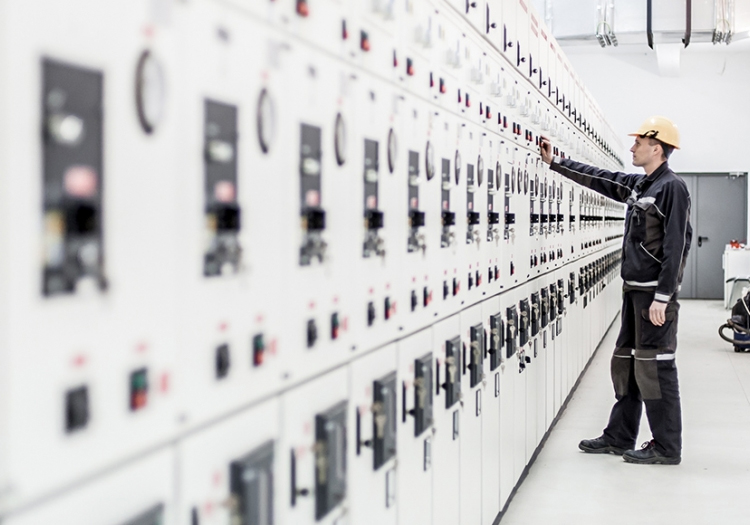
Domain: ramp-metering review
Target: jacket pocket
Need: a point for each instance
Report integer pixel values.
(638, 221)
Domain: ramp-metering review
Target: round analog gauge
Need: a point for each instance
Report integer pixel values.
(480, 171)
(519, 186)
(340, 140)
(535, 186)
(266, 121)
(458, 167)
(497, 176)
(392, 150)
(513, 180)
(429, 160)
(546, 193)
(554, 189)
(150, 91)
(525, 182)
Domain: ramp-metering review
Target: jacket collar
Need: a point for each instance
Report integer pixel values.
(658, 172)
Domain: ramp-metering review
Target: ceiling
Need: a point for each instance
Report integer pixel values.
(577, 22)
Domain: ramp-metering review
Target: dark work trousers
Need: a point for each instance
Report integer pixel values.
(644, 371)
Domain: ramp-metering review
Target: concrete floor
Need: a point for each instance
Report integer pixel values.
(711, 486)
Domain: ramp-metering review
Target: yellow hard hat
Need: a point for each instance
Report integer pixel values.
(661, 129)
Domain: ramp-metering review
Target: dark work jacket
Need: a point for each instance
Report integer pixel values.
(657, 224)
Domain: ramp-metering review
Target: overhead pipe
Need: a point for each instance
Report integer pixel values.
(649, 31)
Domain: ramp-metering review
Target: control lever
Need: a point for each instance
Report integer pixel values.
(701, 239)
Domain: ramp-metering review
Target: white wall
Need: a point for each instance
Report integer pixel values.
(709, 101)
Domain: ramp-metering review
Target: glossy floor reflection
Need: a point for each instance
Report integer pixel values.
(566, 486)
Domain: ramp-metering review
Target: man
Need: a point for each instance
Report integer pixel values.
(654, 249)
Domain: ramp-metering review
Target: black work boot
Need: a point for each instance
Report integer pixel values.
(648, 455)
(599, 446)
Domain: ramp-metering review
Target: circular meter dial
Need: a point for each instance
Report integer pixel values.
(266, 121)
(392, 150)
(480, 171)
(150, 91)
(458, 167)
(339, 140)
(429, 160)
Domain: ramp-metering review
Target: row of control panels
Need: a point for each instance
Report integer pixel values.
(493, 61)
(435, 428)
(227, 200)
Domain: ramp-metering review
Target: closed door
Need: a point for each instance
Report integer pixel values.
(718, 215)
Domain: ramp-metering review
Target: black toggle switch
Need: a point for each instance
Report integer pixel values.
(473, 217)
(227, 217)
(493, 217)
(449, 218)
(416, 218)
(316, 219)
(80, 218)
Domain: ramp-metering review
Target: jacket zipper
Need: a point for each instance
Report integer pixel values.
(649, 253)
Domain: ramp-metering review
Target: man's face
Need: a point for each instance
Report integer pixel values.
(643, 152)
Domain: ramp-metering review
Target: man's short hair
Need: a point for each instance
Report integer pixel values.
(665, 148)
